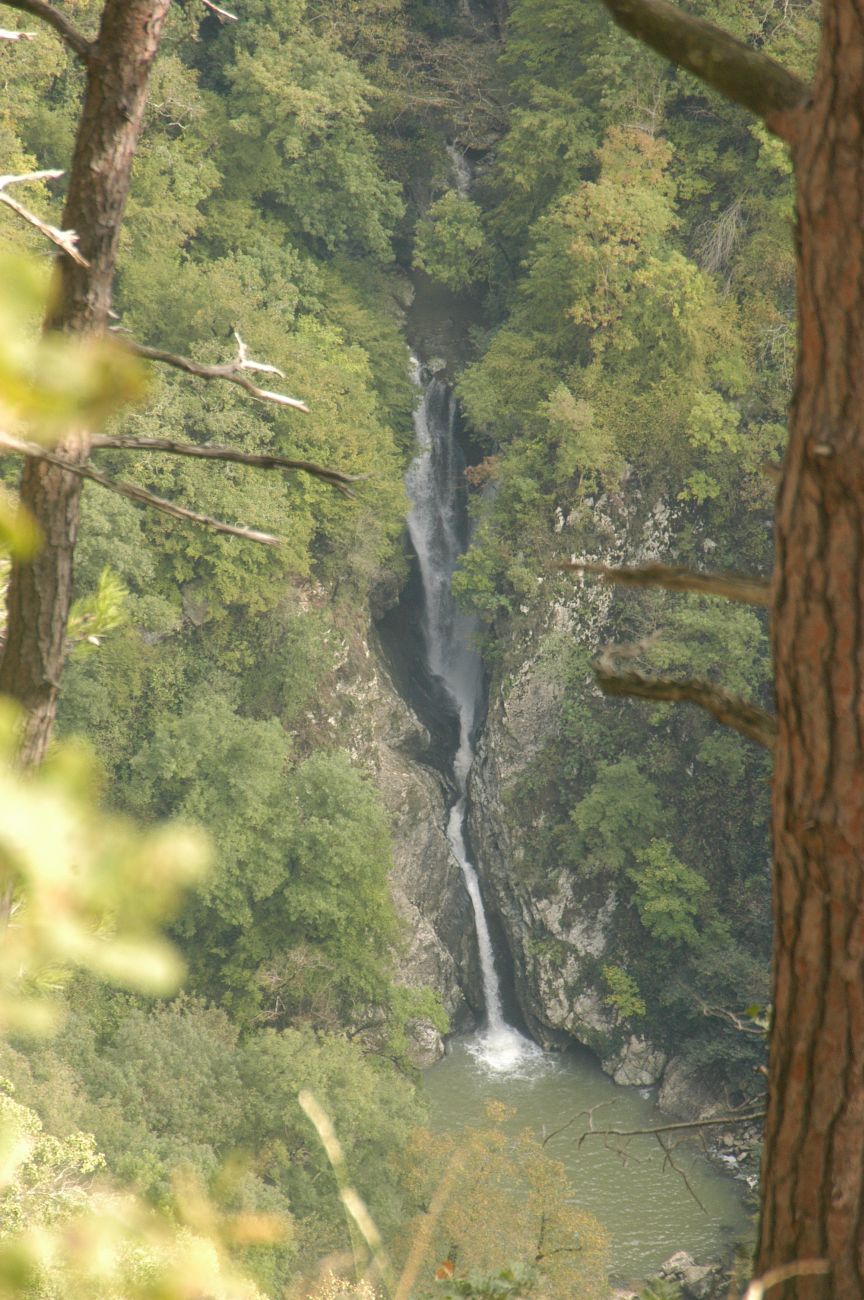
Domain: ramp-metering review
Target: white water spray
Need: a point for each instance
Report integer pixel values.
(437, 528)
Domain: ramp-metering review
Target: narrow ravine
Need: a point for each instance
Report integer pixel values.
(650, 1213)
(438, 526)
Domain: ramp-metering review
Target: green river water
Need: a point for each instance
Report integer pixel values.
(649, 1212)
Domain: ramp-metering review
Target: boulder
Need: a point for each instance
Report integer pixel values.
(697, 1281)
(637, 1064)
(685, 1093)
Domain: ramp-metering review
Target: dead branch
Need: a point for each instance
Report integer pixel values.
(134, 492)
(677, 1126)
(69, 34)
(785, 1273)
(264, 460)
(754, 1029)
(579, 1115)
(7, 35)
(742, 74)
(748, 719)
(65, 239)
(669, 1163)
(222, 14)
(749, 591)
(656, 1132)
(232, 371)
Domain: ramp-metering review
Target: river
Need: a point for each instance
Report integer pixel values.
(649, 1212)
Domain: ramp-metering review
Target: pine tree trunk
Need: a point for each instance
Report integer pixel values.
(813, 1176)
(40, 591)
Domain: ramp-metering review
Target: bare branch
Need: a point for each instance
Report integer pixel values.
(669, 1161)
(755, 1028)
(748, 719)
(231, 371)
(77, 42)
(134, 492)
(222, 14)
(65, 239)
(209, 451)
(742, 74)
(749, 591)
(7, 35)
(785, 1273)
(725, 1121)
(244, 361)
(579, 1115)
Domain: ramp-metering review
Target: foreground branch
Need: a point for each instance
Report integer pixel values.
(334, 477)
(742, 74)
(223, 15)
(232, 371)
(65, 239)
(76, 41)
(134, 492)
(725, 1121)
(786, 1273)
(749, 591)
(748, 719)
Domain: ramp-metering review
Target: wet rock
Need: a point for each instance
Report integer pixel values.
(561, 926)
(426, 1044)
(637, 1064)
(675, 1266)
(685, 1093)
(697, 1281)
(383, 735)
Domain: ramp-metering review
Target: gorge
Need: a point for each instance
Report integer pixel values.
(429, 830)
(697, 1209)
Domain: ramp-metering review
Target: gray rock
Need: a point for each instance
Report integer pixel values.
(685, 1094)
(426, 1045)
(560, 928)
(697, 1281)
(637, 1064)
(383, 735)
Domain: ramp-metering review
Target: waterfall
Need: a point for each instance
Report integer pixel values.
(438, 527)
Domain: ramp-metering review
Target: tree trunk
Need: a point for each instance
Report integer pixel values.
(40, 590)
(813, 1198)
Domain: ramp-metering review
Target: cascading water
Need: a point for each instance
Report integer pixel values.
(541, 1087)
(438, 527)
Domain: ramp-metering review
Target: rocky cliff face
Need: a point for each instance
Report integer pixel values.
(556, 935)
(560, 931)
(383, 734)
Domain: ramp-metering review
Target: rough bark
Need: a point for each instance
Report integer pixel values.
(813, 1198)
(813, 1175)
(118, 67)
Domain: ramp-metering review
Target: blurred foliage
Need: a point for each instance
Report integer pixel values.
(49, 383)
(80, 889)
(502, 1195)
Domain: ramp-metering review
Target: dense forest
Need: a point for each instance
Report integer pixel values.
(608, 247)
